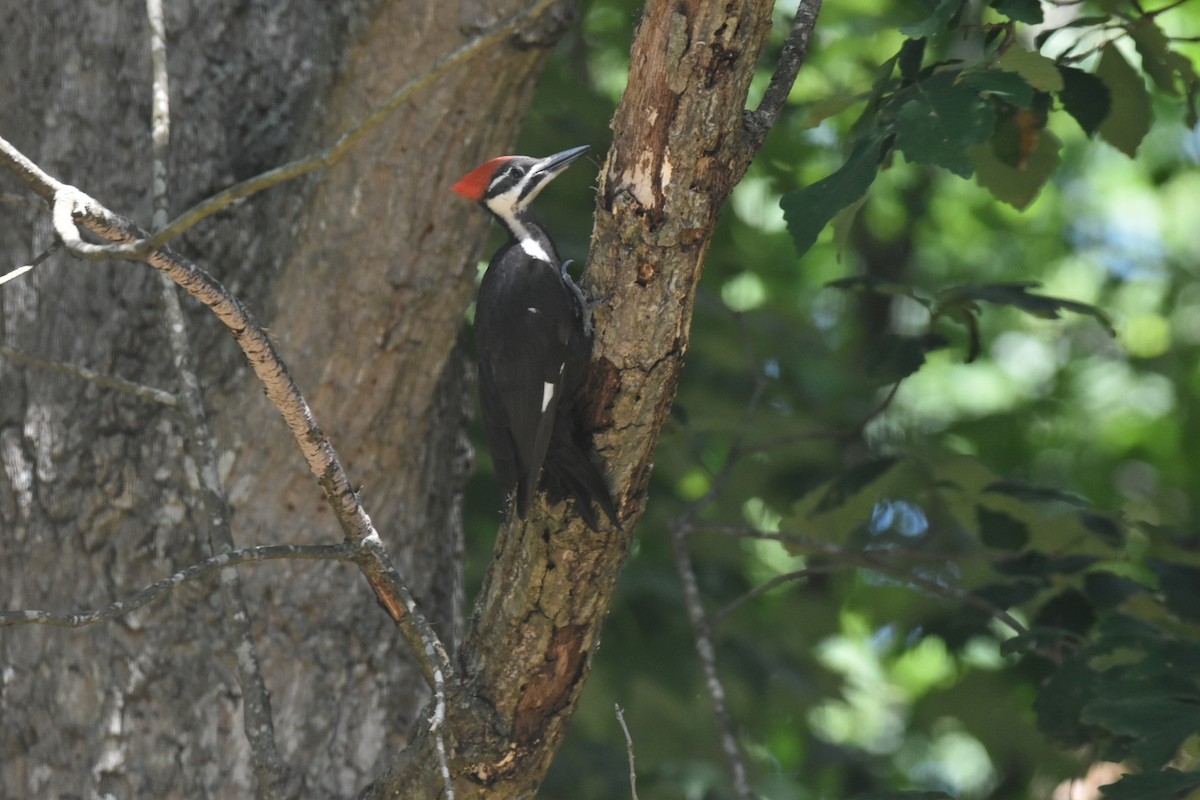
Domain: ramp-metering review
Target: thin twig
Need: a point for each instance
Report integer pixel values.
(16, 273)
(795, 50)
(719, 615)
(628, 751)
(258, 723)
(703, 638)
(38, 259)
(344, 551)
(83, 373)
(436, 721)
(377, 565)
(702, 633)
(874, 562)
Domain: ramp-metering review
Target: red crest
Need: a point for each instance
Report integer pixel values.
(475, 183)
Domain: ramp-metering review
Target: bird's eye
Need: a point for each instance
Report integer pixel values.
(506, 178)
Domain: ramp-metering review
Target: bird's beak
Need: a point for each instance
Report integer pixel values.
(552, 165)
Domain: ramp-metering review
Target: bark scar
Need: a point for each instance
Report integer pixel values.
(550, 689)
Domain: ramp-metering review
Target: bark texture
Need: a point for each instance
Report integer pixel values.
(363, 272)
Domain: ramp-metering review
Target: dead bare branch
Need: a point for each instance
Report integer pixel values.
(72, 207)
(628, 752)
(258, 723)
(38, 259)
(702, 636)
(83, 373)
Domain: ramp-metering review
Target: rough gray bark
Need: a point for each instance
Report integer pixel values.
(362, 275)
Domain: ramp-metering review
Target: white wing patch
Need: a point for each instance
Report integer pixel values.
(547, 395)
(534, 250)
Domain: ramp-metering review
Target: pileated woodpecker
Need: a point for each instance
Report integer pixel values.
(533, 343)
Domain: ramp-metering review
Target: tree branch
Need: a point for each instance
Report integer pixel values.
(679, 149)
(258, 723)
(628, 752)
(38, 259)
(71, 206)
(719, 615)
(876, 563)
(795, 50)
(83, 373)
(702, 636)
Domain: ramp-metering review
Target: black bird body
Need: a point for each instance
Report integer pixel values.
(533, 347)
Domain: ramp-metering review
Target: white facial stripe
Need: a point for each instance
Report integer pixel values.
(547, 395)
(501, 207)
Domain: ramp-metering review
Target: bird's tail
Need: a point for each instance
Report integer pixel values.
(569, 472)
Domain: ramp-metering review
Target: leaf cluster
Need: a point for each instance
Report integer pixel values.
(988, 115)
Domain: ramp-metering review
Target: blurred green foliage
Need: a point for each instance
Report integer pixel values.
(974, 424)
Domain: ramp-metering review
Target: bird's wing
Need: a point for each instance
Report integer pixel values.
(521, 375)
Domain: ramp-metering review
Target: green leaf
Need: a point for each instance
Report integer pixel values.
(1154, 48)
(936, 22)
(1061, 699)
(999, 530)
(808, 210)
(1068, 610)
(853, 481)
(914, 795)
(816, 113)
(1180, 585)
(1029, 11)
(1157, 720)
(843, 224)
(1166, 784)
(1086, 98)
(1107, 591)
(895, 357)
(1129, 120)
(1008, 86)
(912, 53)
(1011, 594)
(1035, 640)
(940, 122)
(1018, 296)
(1029, 493)
(1015, 138)
(1104, 527)
(1017, 185)
(840, 509)
(1041, 72)
(1035, 563)
(1165, 67)
(1079, 22)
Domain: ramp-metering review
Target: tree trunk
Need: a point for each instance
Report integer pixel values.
(362, 272)
(682, 142)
